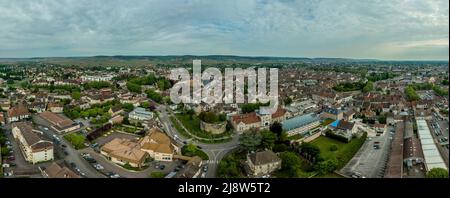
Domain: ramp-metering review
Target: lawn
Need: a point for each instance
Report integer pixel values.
(157, 175)
(197, 152)
(193, 125)
(344, 152)
(76, 140)
(178, 127)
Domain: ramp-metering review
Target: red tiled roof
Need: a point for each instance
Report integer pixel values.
(248, 118)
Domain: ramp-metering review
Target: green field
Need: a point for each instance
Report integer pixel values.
(345, 151)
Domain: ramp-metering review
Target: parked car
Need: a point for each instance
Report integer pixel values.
(63, 145)
(73, 165)
(162, 167)
(205, 169)
(66, 153)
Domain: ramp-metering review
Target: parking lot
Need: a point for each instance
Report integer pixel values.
(109, 166)
(368, 161)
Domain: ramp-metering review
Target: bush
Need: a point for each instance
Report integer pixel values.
(76, 140)
(333, 147)
(332, 135)
(157, 175)
(191, 150)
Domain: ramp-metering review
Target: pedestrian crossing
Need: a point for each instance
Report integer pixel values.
(212, 161)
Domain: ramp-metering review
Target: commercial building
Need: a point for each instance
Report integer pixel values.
(59, 123)
(433, 158)
(158, 145)
(301, 124)
(124, 151)
(140, 114)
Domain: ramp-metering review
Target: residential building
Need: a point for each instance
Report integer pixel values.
(192, 169)
(55, 107)
(34, 147)
(262, 163)
(18, 112)
(58, 171)
(332, 113)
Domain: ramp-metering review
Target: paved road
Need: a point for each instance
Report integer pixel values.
(215, 151)
(73, 155)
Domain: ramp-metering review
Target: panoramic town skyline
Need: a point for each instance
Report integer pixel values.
(387, 30)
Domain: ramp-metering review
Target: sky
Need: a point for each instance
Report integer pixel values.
(379, 29)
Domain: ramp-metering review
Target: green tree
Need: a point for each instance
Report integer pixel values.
(128, 107)
(76, 95)
(277, 128)
(327, 166)
(368, 87)
(290, 163)
(437, 173)
(309, 150)
(134, 87)
(250, 141)
(145, 104)
(4, 151)
(268, 139)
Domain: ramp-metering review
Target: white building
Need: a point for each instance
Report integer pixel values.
(33, 147)
(433, 158)
(140, 114)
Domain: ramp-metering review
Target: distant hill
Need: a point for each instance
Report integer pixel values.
(185, 59)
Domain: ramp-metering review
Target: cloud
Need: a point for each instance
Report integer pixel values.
(311, 28)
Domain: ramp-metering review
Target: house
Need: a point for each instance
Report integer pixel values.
(348, 115)
(58, 171)
(116, 119)
(5, 104)
(324, 96)
(34, 147)
(59, 123)
(38, 106)
(332, 113)
(380, 128)
(244, 122)
(192, 169)
(124, 151)
(158, 145)
(115, 110)
(262, 163)
(300, 124)
(140, 114)
(18, 112)
(55, 107)
(343, 128)
(2, 118)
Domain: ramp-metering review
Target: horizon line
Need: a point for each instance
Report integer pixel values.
(243, 56)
